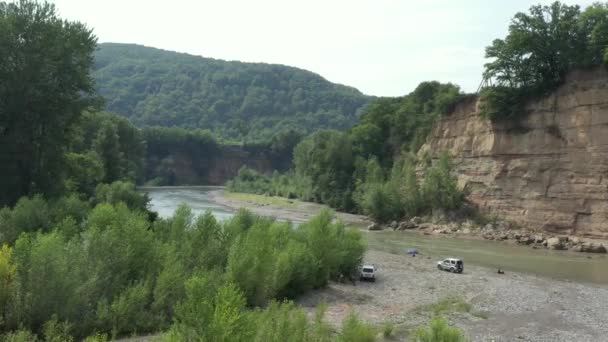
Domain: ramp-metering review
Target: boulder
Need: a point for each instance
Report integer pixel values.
(525, 239)
(539, 238)
(466, 231)
(574, 239)
(591, 247)
(502, 236)
(577, 248)
(406, 225)
(503, 225)
(555, 243)
(416, 220)
(374, 226)
(393, 224)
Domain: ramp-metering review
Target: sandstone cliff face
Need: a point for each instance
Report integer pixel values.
(550, 172)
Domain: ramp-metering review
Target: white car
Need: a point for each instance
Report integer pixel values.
(368, 272)
(451, 264)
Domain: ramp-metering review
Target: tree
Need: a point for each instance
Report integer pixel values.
(107, 146)
(541, 47)
(44, 87)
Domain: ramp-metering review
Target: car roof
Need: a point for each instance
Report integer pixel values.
(455, 259)
(366, 266)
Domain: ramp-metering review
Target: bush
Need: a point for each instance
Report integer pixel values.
(115, 273)
(211, 312)
(124, 192)
(438, 330)
(354, 330)
(503, 103)
(439, 189)
(388, 330)
(28, 215)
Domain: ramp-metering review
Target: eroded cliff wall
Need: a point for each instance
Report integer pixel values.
(549, 171)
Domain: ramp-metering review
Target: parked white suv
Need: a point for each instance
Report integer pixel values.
(368, 272)
(451, 265)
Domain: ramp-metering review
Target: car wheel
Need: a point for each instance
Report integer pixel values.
(439, 267)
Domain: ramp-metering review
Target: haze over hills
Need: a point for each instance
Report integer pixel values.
(238, 101)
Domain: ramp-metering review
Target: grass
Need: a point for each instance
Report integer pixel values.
(448, 305)
(388, 330)
(275, 201)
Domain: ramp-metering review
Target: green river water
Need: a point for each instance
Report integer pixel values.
(563, 265)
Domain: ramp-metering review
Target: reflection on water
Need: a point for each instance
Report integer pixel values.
(556, 264)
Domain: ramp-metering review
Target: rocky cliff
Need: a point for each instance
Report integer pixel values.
(216, 167)
(549, 171)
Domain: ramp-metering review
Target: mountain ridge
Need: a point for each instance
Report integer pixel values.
(237, 100)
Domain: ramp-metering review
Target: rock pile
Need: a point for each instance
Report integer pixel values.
(498, 231)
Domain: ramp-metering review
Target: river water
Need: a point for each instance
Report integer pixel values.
(580, 267)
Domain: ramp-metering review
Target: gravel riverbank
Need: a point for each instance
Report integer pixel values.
(503, 307)
(498, 307)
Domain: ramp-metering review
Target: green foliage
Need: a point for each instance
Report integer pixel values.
(390, 125)
(388, 329)
(541, 47)
(19, 336)
(237, 101)
(55, 331)
(354, 330)
(448, 305)
(325, 159)
(124, 192)
(438, 330)
(28, 215)
(7, 277)
(44, 68)
(440, 190)
(108, 269)
(275, 260)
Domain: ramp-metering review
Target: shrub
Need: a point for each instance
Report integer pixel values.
(388, 330)
(354, 330)
(440, 189)
(28, 215)
(438, 330)
(124, 192)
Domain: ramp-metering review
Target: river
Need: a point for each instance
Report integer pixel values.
(580, 267)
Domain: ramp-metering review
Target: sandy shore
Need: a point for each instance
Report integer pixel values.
(509, 307)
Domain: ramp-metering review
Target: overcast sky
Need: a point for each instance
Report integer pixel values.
(381, 47)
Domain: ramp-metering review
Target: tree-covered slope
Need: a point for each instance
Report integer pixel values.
(236, 100)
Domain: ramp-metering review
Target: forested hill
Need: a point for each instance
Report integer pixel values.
(238, 101)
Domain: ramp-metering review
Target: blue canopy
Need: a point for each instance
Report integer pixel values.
(412, 251)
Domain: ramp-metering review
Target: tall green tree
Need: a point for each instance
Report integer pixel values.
(107, 146)
(44, 87)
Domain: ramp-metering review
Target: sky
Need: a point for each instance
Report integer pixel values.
(381, 47)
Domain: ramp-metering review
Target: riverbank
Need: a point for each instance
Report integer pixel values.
(281, 208)
(441, 224)
(486, 305)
